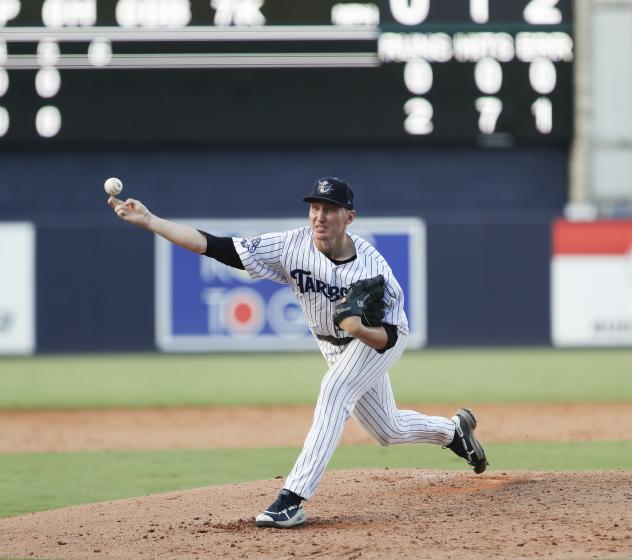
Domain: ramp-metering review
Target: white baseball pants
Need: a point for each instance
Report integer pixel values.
(357, 384)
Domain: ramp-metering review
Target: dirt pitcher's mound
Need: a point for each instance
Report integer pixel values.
(407, 513)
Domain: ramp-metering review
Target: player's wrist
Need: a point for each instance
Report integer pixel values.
(156, 224)
(353, 325)
(148, 219)
(375, 337)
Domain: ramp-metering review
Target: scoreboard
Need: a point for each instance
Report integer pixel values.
(114, 73)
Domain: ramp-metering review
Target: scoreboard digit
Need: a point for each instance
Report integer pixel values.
(218, 72)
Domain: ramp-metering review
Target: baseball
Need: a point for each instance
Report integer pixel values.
(113, 186)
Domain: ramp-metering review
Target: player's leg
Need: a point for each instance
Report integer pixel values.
(353, 373)
(377, 412)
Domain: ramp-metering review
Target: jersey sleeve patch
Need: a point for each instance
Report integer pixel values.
(251, 243)
(262, 255)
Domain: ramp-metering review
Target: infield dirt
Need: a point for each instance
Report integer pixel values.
(241, 426)
(367, 514)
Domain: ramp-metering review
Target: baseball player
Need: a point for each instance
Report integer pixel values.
(355, 309)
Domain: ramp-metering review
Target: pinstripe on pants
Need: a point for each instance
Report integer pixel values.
(358, 384)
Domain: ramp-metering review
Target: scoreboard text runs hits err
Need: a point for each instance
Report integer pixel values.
(218, 72)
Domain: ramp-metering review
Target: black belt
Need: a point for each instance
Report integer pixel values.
(335, 340)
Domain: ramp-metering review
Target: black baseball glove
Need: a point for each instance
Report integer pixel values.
(364, 299)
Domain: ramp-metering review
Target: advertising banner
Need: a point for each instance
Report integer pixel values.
(17, 288)
(203, 305)
(591, 283)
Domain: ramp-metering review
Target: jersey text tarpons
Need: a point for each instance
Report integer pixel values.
(306, 283)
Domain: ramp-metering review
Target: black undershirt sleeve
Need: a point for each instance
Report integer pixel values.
(391, 333)
(222, 249)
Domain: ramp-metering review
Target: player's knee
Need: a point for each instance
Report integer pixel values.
(384, 439)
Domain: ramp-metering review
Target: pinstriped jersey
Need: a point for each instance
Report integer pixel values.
(291, 257)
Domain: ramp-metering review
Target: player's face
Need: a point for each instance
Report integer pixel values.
(329, 221)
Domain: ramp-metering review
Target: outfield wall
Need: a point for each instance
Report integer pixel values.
(487, 213)
(488, 284)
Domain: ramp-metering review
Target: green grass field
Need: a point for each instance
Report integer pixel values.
(38, 481)
(42, 481)
(432, 376)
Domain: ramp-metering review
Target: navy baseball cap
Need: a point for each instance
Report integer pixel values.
(331, 189)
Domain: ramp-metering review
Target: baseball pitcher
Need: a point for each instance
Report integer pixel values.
(354, 308)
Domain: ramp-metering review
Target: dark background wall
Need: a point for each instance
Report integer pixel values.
(488, 214)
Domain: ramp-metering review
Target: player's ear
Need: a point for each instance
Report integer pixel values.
(351, 214)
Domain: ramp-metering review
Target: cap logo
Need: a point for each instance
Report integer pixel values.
(325, 187)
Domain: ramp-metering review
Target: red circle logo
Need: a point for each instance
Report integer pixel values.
(245, 311)
(242, 312)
